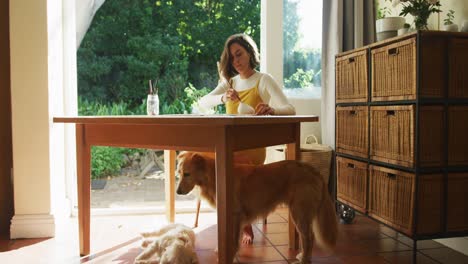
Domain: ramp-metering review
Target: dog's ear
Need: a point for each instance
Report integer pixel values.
(198, 161)
(182, 155)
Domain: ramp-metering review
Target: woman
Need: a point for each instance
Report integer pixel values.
(240, 82)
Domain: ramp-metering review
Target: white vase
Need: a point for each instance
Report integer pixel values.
(389, 24)
(451, 27)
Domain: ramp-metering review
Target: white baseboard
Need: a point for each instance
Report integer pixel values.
(32, 226)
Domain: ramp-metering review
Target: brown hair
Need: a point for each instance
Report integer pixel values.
(225, 65)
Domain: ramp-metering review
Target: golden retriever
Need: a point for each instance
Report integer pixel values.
(174, 243)
(259, 189)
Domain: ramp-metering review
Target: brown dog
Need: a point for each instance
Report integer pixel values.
(260, 189)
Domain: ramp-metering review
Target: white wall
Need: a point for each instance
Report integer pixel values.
(435, 22)
(37, 95)
(30, 113)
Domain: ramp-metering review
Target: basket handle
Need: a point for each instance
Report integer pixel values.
(393, 52)
(310, 136)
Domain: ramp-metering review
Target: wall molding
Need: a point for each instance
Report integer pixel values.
(32, 226)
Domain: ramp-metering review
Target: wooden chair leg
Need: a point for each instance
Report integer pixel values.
(265, 221)
(197, 213)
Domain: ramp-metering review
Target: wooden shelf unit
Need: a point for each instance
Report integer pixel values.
(402, 133)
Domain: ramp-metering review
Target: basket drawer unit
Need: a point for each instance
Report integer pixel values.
(458, 135)
(352, 135)
(392, 200)
(351, 77)
(457, 202)
(392, 134)
(394, 71)
(352, 183)
(458, 77)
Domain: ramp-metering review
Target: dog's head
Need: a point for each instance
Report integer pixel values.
(191, 170)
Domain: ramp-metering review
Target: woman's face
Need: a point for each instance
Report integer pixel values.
(240, 59)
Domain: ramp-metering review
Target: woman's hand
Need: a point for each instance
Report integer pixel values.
(231, 94)
(264, 109)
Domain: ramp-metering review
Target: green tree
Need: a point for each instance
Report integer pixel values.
(176, 42)
(290, 35)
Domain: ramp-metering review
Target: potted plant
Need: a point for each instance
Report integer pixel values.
(448, 22)
(386, 25)
(420, 10)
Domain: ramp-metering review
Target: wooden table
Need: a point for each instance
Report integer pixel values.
(221, 134)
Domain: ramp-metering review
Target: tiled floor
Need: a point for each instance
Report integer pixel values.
(115, 240)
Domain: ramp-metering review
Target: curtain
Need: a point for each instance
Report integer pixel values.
(347, 24)
(85, 11)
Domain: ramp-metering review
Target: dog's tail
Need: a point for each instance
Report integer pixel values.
(325, 225)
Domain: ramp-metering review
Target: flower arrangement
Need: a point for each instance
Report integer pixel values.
(419, 9)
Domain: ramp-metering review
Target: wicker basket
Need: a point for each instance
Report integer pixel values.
(317, 155)
(352, 183)
(391, 197)
(394, 71)
(351, 130)
(392, 134)
(351, 77)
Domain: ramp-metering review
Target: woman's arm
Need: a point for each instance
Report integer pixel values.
(214, 97)
(271, 92)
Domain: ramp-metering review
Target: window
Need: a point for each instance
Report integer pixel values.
(302, 47)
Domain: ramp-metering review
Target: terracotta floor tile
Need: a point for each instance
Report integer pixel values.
(287, 253)
(273, 228)
(363, 260)
(406, 257)
(207, 256)
(270, 262)
(388, 231)
(207, 238)
(364, 241)
(328, 260)
(258, 254)
(384, 245)
(278, 239)
(19, 243)
(421, 244)
(446, 255)
(274, 218)
(361, 233)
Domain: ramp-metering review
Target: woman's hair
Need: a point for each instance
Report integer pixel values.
(225, 65)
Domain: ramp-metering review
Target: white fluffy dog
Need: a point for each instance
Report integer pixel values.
(172, 244)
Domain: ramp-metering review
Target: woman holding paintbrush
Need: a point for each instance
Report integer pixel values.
(240, 82)
(244, 90)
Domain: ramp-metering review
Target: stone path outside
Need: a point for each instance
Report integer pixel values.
(132, 191)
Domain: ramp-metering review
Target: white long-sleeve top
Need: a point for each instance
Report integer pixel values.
(268, 89)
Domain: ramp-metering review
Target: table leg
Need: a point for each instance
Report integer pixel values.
(169, 167)
(292, 153)
(224, 199)
(83, 165)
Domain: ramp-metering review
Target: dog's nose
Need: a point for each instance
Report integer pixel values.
(178, 191)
